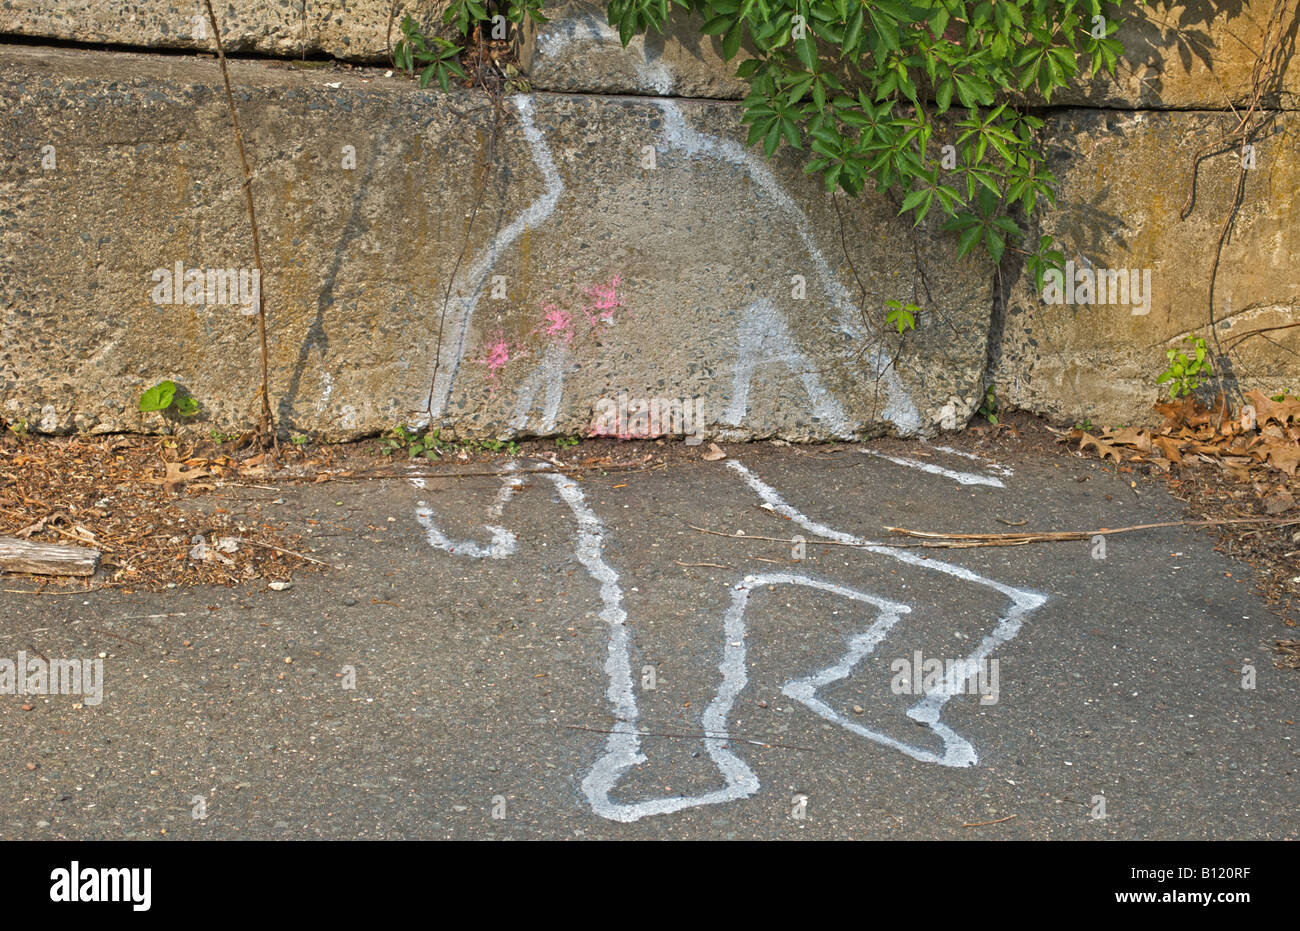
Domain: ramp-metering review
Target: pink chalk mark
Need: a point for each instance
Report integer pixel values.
(604, 299)
(497, 356)
(561, 322)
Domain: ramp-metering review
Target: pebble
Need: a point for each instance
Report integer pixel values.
(281, 586)
(349, 602)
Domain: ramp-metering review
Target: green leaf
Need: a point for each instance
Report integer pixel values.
(717, 26)
(968, 240)
(159, 397)
(943, 96)
(806, 49)
(731, 41)
(853, 34)
(914, 198)
(995, 243)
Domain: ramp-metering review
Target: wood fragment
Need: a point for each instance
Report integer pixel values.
(46, 558)
(280, 549)
(968, 540)
(958, 540)
(984, 824)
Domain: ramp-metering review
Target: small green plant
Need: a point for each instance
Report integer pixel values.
(218, 437)
(496, 446)
(902, 316)
(1185, 374)
(932, 101)
(18, 428)
(434, 56)
(298, 439)
(165, 395)
(1084, 425)
(563, 441)
(426, 443)
(989, 408)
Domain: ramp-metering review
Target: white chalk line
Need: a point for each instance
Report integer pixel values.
(761, 331)
(549, 376)
(961, 478)
(551, 42)
(623, 746)
(900, 410)
(503, 542)
(536, 212)
(957, 750)
(988, 463)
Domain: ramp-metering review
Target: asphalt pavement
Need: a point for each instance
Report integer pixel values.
(535, 655)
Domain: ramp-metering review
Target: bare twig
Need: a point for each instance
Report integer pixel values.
(497, 114)
(965, 540)
(1061, 536)
(266, 433)
(286, 552)
(107, 633)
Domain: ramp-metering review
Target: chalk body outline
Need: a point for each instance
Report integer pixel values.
(623, 746)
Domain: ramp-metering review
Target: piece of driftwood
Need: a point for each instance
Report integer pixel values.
(46, 558)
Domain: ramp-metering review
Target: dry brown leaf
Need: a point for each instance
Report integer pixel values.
(1104, 450)
(1169, 449)
(1267, 409)
(177, 475)
(1279, 501)
(1284, 456)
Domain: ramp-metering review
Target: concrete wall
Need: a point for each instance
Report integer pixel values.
(352, 30)
(626, 240)
(1124, 178)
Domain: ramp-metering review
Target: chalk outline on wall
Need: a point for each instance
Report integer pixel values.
(676, 134)
(623, 746)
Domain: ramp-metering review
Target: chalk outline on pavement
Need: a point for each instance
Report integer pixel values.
(623, 746)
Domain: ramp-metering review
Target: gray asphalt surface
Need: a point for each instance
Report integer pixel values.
(483, 686)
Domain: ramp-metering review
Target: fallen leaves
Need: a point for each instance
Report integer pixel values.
(1289, 650)
(1261, 436)
(131, 498)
